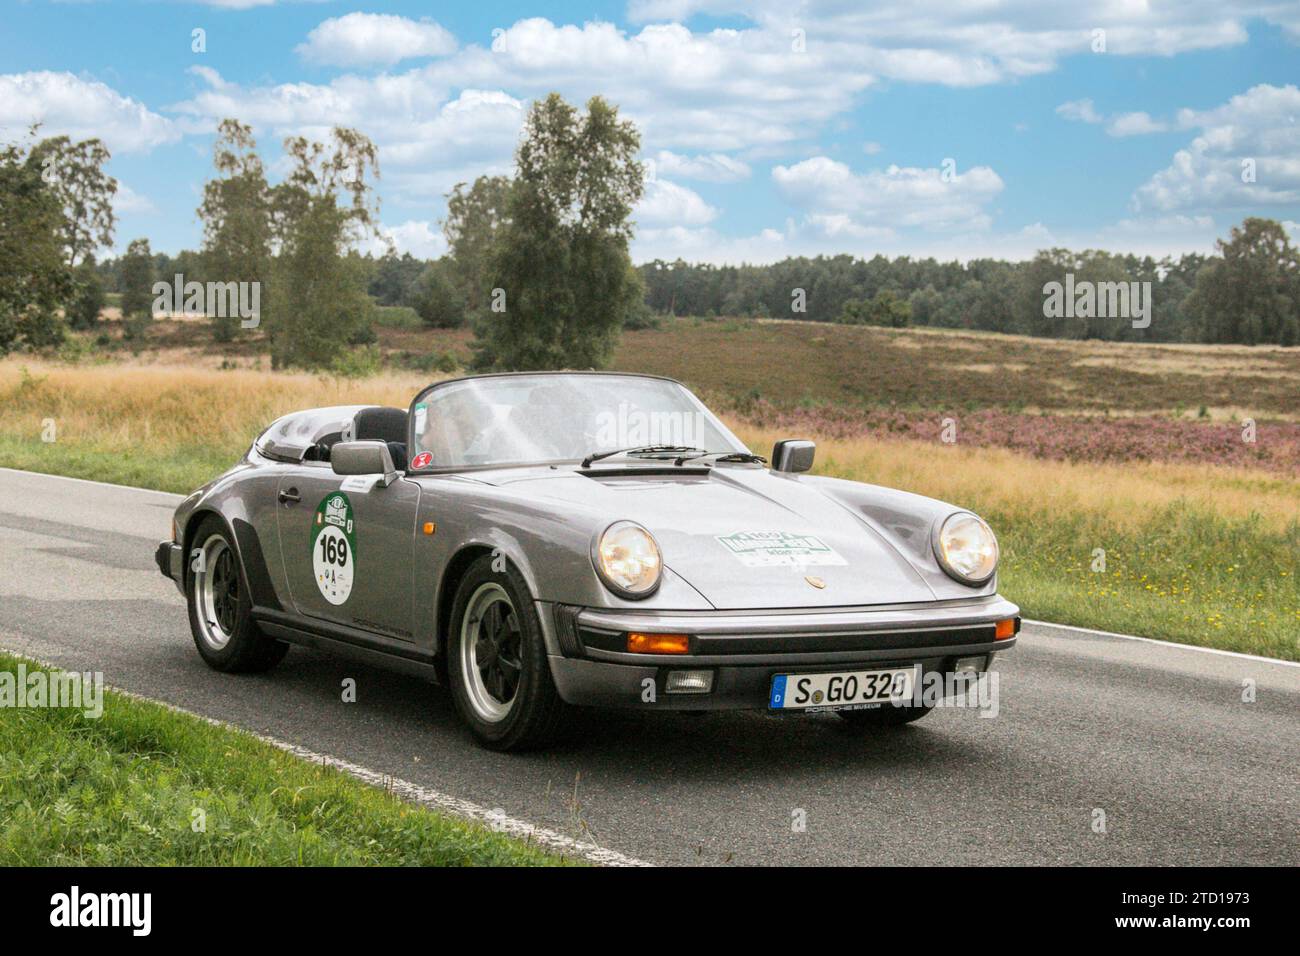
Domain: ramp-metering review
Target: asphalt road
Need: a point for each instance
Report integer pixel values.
(1155, 736)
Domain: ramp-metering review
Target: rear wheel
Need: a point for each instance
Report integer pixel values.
(886, 715)
(496, 661)
(221, 621)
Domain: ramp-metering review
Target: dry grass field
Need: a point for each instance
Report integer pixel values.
(800, 363)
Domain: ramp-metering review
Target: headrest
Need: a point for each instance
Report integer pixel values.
(379, 424)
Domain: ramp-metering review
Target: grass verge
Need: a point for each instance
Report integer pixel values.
(125, 789)
(1193, 554)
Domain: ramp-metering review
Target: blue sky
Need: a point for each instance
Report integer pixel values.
(772, 129)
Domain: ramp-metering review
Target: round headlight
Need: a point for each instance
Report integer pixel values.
(627, 559)
(966, 548)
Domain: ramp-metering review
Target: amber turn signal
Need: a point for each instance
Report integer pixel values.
(658, 643)
(1005, 629)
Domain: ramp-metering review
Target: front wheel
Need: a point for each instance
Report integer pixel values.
(496, 661)
(221, 619)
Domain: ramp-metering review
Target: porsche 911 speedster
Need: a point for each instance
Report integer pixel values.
(537, 541)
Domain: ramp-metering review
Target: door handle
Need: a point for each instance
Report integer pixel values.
(289, 496)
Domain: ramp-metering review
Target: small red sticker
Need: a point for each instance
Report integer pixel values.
(422, 460)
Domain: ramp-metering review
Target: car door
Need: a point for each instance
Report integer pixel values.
(347, 547)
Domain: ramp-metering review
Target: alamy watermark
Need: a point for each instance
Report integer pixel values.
(630, 427)
(213, 299)
(62, 689)
(133, 911)
(1100, 300)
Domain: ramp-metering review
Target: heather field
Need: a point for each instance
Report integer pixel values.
(1271, 446)
(1150, 525)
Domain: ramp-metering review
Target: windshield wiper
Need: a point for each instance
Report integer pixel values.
(637, 450)
(740, 456)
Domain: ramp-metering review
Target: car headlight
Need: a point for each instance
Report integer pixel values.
(967, 548)
(627, 559)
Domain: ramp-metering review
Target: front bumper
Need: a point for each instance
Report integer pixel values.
(744, 650)
(168, 559)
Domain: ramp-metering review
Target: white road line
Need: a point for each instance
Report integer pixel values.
(1152, 640)
(102, 484)
(411, 792)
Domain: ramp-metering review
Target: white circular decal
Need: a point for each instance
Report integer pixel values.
(333, 548)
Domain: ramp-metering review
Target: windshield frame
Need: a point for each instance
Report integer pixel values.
(424, 394)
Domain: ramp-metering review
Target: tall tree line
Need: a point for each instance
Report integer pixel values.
(1248, 293)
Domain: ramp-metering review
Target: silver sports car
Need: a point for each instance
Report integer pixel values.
(542, 540)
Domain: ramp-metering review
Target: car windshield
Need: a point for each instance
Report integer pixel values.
(517, 419)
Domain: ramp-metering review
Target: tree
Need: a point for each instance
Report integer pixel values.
(236, 214)
(75, 173)
(1252, 293)
(88, 297)
(475, 216)
(925, 305)
(560, 268)
(34, 276)
(885, 308)
(318, 302)
(137, 280)
(437, 298)
(396, 279)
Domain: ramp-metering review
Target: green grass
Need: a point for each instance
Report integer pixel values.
(129, 465)
(124, 789)
(1184, 575)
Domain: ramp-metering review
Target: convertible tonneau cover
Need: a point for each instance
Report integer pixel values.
(289, 437)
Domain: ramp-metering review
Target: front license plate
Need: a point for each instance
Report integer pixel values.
(840, 690)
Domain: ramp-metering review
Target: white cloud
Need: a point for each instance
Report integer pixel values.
(127, 200)
(711, 168)
(968, 42)
(892, 197)
(66, 104)
(1155, 236)
(1081, 111)
(1255, 133)
(871, 148)
(705, 244)
(418, 237)
(1135, 124)
(362, 39)
(1121, 124)
(667, 203)
(714, 92)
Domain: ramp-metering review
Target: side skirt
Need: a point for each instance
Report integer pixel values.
(346, 641)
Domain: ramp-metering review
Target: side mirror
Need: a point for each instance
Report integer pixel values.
(792, 455)
(363, 458)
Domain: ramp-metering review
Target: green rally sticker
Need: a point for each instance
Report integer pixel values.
(334, 547)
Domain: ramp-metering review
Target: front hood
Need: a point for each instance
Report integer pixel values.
(743, 537)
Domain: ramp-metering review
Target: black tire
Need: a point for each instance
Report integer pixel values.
(887, 715)
(245, 649)
(534, 714)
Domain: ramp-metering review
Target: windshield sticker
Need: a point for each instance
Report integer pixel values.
(334, 547)
(421, 460)
(764, 549)
(421, 417)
